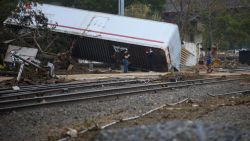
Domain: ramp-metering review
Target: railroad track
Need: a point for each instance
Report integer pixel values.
(21, 101)
(61, 86)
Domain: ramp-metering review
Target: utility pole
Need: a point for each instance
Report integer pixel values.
(121, 7)
(210, 39)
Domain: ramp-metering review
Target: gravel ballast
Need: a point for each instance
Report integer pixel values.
(49, 123)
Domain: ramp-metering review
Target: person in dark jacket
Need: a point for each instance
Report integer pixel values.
(150, 57)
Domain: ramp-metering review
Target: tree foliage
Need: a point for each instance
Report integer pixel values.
(154, 5)
(143, 11)
(25, 16)
(226, 27)
(108, 6)
(225, 24)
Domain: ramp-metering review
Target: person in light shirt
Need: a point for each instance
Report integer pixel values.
(201, 61)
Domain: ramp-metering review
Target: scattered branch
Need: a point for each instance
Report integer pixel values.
(51, 43)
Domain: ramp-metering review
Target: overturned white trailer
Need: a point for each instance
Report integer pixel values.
(98, 36)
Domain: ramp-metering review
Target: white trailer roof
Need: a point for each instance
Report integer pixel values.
(115, 28)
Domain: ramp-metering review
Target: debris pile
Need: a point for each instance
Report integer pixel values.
(180, 76)
(230, 64)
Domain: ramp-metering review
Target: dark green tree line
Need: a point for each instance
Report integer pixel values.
(226, 27)
(108, 6)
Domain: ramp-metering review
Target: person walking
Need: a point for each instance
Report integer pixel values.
(125, 61)
(201, 61)
(209, 61)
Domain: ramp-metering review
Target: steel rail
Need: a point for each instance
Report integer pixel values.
(50, 90)
(100, 91)
(42, 93)
(75, 96)
(62, 84)
(31, 92)
(46, 86)
(51, 86)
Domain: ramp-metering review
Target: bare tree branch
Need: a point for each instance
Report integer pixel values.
(173, 3)
(37, 44)
(50, 43)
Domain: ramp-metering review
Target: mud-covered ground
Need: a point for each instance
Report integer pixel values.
(232, 111)
(52, 122)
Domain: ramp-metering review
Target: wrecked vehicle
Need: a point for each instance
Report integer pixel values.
(24, 56)
(103, 37)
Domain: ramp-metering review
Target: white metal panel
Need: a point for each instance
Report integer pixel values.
(174, 46)
(192, 49)
(96, 24)
(24, 52)
(120, 28)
